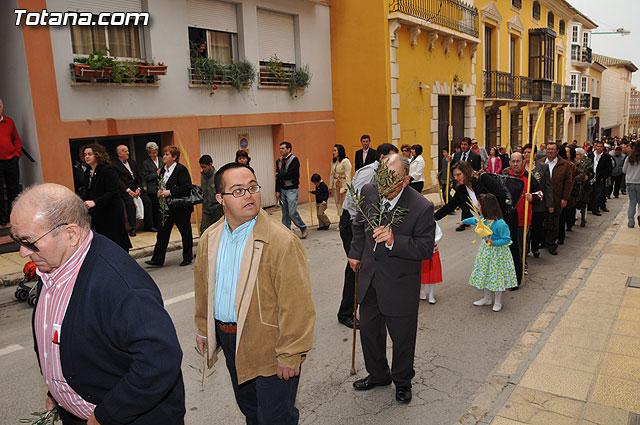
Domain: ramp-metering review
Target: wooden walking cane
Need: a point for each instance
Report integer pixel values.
(355, 309)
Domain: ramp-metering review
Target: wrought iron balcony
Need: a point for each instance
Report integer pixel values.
(585, 100)
(523, 88)
(575, 99)
(595, 103)
(586, 55)
(453, 14)
(567, 94)
(498, 85)
(542, 90)
(557, 92)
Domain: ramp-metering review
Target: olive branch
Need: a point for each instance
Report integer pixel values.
(202, 371)
(386, 181)
(46, 417)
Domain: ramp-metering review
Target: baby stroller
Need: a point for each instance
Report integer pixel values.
(25, 292)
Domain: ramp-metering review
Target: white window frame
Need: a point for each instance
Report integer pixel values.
(106, 40)
(586, 39)
(575, 31)
(574, 82)
(584, 84)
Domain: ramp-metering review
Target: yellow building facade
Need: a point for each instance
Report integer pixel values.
(395, 65)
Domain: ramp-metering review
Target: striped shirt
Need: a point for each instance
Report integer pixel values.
(55, 293)
(228, 260)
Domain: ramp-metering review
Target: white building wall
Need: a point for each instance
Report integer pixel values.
(16, 92)
(169, 42)
(612, 101)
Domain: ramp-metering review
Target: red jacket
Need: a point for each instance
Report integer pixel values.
(535, 192)
(10, 144)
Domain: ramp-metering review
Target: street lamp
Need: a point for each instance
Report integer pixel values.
(620, 31)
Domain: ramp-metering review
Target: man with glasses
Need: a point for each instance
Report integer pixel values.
(107, 349)
(253, 300)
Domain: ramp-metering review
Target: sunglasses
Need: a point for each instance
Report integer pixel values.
(31, 246)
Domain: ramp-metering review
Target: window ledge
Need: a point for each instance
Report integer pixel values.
(261, 86)
(90, 84)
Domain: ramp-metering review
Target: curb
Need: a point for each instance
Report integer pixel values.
(504, 379)
(13, 279)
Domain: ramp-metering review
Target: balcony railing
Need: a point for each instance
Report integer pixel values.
(557, 92)
(542, 90)
(575, 52)
(595, 103)
(586, 55)
(523, 88)
(498, 85)
(567, 94)
(585, 100)
(453, 14)
(575, 100)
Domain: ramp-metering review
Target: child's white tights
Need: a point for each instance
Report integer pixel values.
(486, 300)
(432, 291)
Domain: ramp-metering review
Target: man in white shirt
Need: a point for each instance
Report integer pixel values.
(602, 167)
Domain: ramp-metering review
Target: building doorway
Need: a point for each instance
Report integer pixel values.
(457, 118)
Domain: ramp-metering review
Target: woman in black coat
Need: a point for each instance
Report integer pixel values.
(101, 196)
(151, 167)
(174, 182)
(470, 187)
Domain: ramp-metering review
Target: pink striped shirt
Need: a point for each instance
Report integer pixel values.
(50, 310)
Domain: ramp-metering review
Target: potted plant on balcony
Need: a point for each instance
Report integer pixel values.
(97, 64)
(274, 73)
(299, 81)
(147, 68)
(241, 75)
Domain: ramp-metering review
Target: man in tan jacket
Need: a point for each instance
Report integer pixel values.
(253, 300)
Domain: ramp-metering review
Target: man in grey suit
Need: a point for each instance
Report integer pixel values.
(389, 281)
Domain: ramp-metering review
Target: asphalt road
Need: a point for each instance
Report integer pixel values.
(458, 344)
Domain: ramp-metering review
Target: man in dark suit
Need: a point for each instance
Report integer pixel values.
(602, 166)
(107, 349)
(130, 188)
(466, 154)
(561, 172)
(366, 155)
(389, 283)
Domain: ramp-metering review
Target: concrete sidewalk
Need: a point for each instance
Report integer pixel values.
(579, 362)
(11, 264)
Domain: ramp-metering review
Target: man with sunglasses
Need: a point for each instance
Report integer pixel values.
(107, 349)
(253, 300)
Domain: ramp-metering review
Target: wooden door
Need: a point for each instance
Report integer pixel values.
(457, 117)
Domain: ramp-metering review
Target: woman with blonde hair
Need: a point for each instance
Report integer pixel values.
(340, 175)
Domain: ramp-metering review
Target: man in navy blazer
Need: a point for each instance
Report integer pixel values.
(107, 349)
(389, 281)
(366, 155)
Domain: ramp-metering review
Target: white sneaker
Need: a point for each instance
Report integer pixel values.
(497, 307)
(484, 301)
(432, 300)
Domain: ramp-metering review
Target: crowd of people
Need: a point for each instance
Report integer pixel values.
(259, 314)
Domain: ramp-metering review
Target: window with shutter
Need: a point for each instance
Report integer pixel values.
(213, 30)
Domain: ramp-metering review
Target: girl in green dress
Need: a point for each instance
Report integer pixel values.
(493, 270)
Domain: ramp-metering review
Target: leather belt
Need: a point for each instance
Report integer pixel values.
(228, 328)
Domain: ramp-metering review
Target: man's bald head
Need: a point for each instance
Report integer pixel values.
(398, 163)
(516, 162)
(53, 204)
(123, 152)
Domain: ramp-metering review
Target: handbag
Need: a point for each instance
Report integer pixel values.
(139, 208)
(193, 198)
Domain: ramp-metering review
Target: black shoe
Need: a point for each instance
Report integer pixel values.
(560, 242)
(570, 229)
(403, 395)
(596, 213)
(185, 263)
(583, 223)
(367, 383)
(461, 228)
(605, 209)
(132, 232)
(153, 263)
(348, 322)
(616, 196)
(323, 228)
(151, 229)
(553, 251)
(536, 254)
(515, 288)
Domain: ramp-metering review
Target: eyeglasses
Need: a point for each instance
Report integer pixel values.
(31, 246)
(405, 150)
(239, 193)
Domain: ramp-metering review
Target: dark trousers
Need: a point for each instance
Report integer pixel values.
(617, 184)
(69, 418)
(10, 173)
(512, 222)
(597, 199)
(182, 219)
(348, 290)
(155, 208)
(417, 186)
(373, 336)
(130, 208)
(537, 230)
(551, 239)
(570, 217)
(265, 400)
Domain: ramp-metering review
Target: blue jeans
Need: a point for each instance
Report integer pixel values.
(264, 400)
(633, 190)
(289, 201)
